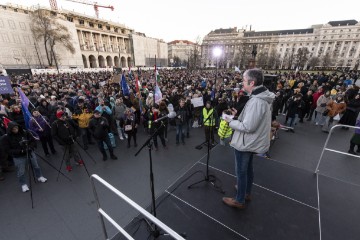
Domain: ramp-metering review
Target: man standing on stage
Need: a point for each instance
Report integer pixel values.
(251, 134)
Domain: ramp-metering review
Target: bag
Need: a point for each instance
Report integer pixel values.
(128, 128)
(325, 113)
(337, 117)
(112, 141)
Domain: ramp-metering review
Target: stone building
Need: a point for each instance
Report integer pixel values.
(146, 48)
(181, 49)
(103, 43)
(18, 49)
(335, 44)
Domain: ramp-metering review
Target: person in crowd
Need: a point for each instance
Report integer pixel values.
(119, 109)
(164, 111)
(295, 104)
(351, 112)
(307, 98)
(181, 120)
(45, 108)
(41, 126)
(82, 114)
(99, 127)
(251, 134)
(314, 105)
(20, 144)
(355, 140)
(64, 130)
(156, 128)
(335, 108)
(130, 126)
(209, 120)
(190, 110)
(17, 116)
(321, 103)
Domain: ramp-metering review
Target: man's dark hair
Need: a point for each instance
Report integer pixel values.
(255, 75)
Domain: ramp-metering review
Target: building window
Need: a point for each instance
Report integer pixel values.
(22, 26)
(116, 30)
(11, 24)
(100, 26)
(91, 24)
(27, 40)
(70, 19)
(108, 28)
(5, 37)
(16, 38)
(81, 22)
(1, 23)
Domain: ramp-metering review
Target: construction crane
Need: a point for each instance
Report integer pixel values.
(53, 5)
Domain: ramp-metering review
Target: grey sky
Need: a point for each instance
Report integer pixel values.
(188, 19)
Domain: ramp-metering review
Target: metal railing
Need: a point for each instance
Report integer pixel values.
(333, 150)
(145, 213)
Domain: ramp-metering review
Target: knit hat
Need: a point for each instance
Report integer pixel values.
(60, 114)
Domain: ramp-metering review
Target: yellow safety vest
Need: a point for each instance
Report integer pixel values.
(208, 121)
(224, 130)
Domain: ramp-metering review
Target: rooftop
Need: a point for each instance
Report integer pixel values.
(278, 32)
(343, 23)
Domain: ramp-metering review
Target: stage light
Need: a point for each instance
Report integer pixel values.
(217, 52)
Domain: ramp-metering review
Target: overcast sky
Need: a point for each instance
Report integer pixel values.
(189, 19)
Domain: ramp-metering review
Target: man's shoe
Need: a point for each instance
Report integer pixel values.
(104, 157)
(113, 157)
(25, 188)
(128, 146)
(53, 152)
(352, 152)
(68, 168)
(358, 150)
(42, 179)
(233, 203)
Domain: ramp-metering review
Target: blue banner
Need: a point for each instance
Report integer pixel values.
(5, 85)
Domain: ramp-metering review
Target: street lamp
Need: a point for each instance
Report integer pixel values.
(216, 53)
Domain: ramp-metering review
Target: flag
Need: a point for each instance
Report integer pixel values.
(237, 69)
(212, 95)
(25, 107)
(136, 84)
(6, 121)
(124, 86)
(158, 94)
(130, 73)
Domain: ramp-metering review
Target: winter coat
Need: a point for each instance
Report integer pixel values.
(64, 132)
(99, 127)
(14, 144)
(82, 116)
(18, 117)
(335, 108)
(253, 126)
(38, 123)
(321, 103)
(182, 115)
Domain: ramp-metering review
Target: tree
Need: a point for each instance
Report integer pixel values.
(313, 62)
(262, 59)
(302, 57)
(273, 59)
(45, 27)
(326, 60)
(26, 56)
(177, 61)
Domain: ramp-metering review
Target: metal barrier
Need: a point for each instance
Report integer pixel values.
(145, 213)
(333, 150)
(317, 167)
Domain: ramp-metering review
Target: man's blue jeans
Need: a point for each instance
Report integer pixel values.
(21, 164)
(245, 174)
(180, 129)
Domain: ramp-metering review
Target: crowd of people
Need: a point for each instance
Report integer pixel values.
(86, 108)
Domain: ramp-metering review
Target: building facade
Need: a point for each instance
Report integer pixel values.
(102, 43)
(19, 49)
(181, 49)
(146, 49)
(335, 44)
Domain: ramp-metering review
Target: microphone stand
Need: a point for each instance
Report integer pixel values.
(208, 178)
(154, 231)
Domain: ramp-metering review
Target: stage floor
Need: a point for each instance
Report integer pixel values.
(284, 204)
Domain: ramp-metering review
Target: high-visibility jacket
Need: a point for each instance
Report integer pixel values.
(208, 121)
(224, 130)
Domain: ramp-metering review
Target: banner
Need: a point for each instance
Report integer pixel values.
(197, 102)
(5, 85)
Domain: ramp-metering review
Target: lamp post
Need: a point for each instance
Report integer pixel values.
(216, 53)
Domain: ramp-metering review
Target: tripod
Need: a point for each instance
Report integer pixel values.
(154, 231)
(68, 149)
(208, 178)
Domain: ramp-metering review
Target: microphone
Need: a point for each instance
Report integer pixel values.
(170, 115)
